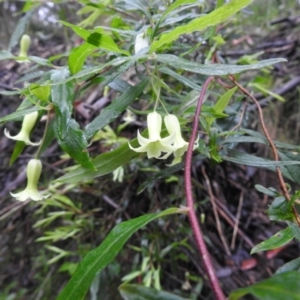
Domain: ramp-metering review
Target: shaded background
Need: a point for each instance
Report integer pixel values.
(29, 270)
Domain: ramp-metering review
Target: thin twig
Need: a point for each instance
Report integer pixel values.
(274, 150)
(238, 215)
(230, 219)
(219, 295)
(215, 210)
(241, 118)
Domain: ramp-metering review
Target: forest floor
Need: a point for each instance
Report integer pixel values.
(240, 208)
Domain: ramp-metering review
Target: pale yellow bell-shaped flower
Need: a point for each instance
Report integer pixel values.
(27, 125)
(173, 126)
(34, 170)
(155, 145)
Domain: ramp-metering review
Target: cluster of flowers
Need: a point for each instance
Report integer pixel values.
(34, 166)
(155, 145)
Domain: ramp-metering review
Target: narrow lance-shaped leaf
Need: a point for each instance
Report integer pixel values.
(254, 161)
(175, 5)
(212, 69)
(20, 29)
(293, 265)
(41, 92)
(90, 71)
(74, 143)
(222, 103)
(137, 291)
(293, 170)
(62, 99)
(78, 56)
(279, 239)
(111, 112)
(67, 131)
(214, 18)
(96, 38)
(104, 163)
(100, 257)
(18, 114)
(4, 54)
(282, 286)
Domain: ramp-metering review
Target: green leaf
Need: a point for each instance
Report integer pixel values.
(243, 139)
(256, 137)
(294, 170)
(74, 143)
(224, 100)
(175, 5)
(295, 230)
(104, 163)
(279, 239)
(18, 149)
(100, 257)
(222, 103)
(30, 76)
(111, 112)
(83, 33)
(140, 292)
(97, 38)
(9, 93)
(66, 130)
(104, 41)
(62, 99)
(252, 160)
(17, 115)
(181, 78)
(20, 29)
(282, 286)
(91, 71)
(212, 69)
(280, 210)
(293, 265)
(266, 91)
(269, 191)
(42, 92)
(214, 18)
(78, 56)
(4, 54)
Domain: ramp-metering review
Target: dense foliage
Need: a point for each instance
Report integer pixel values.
(131, 75)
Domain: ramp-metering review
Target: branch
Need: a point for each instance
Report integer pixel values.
(273, 148)
(219, 295)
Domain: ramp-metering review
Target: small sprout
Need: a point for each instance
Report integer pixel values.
(27, 125)
(34, 170)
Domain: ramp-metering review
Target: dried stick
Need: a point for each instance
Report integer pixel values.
(215, 210)
(219, 295)
(274, 150)
(238, 215)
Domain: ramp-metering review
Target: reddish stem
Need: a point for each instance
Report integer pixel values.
(219, 295)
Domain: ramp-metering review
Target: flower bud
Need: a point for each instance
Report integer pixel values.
(141, 42)
(24, 45)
